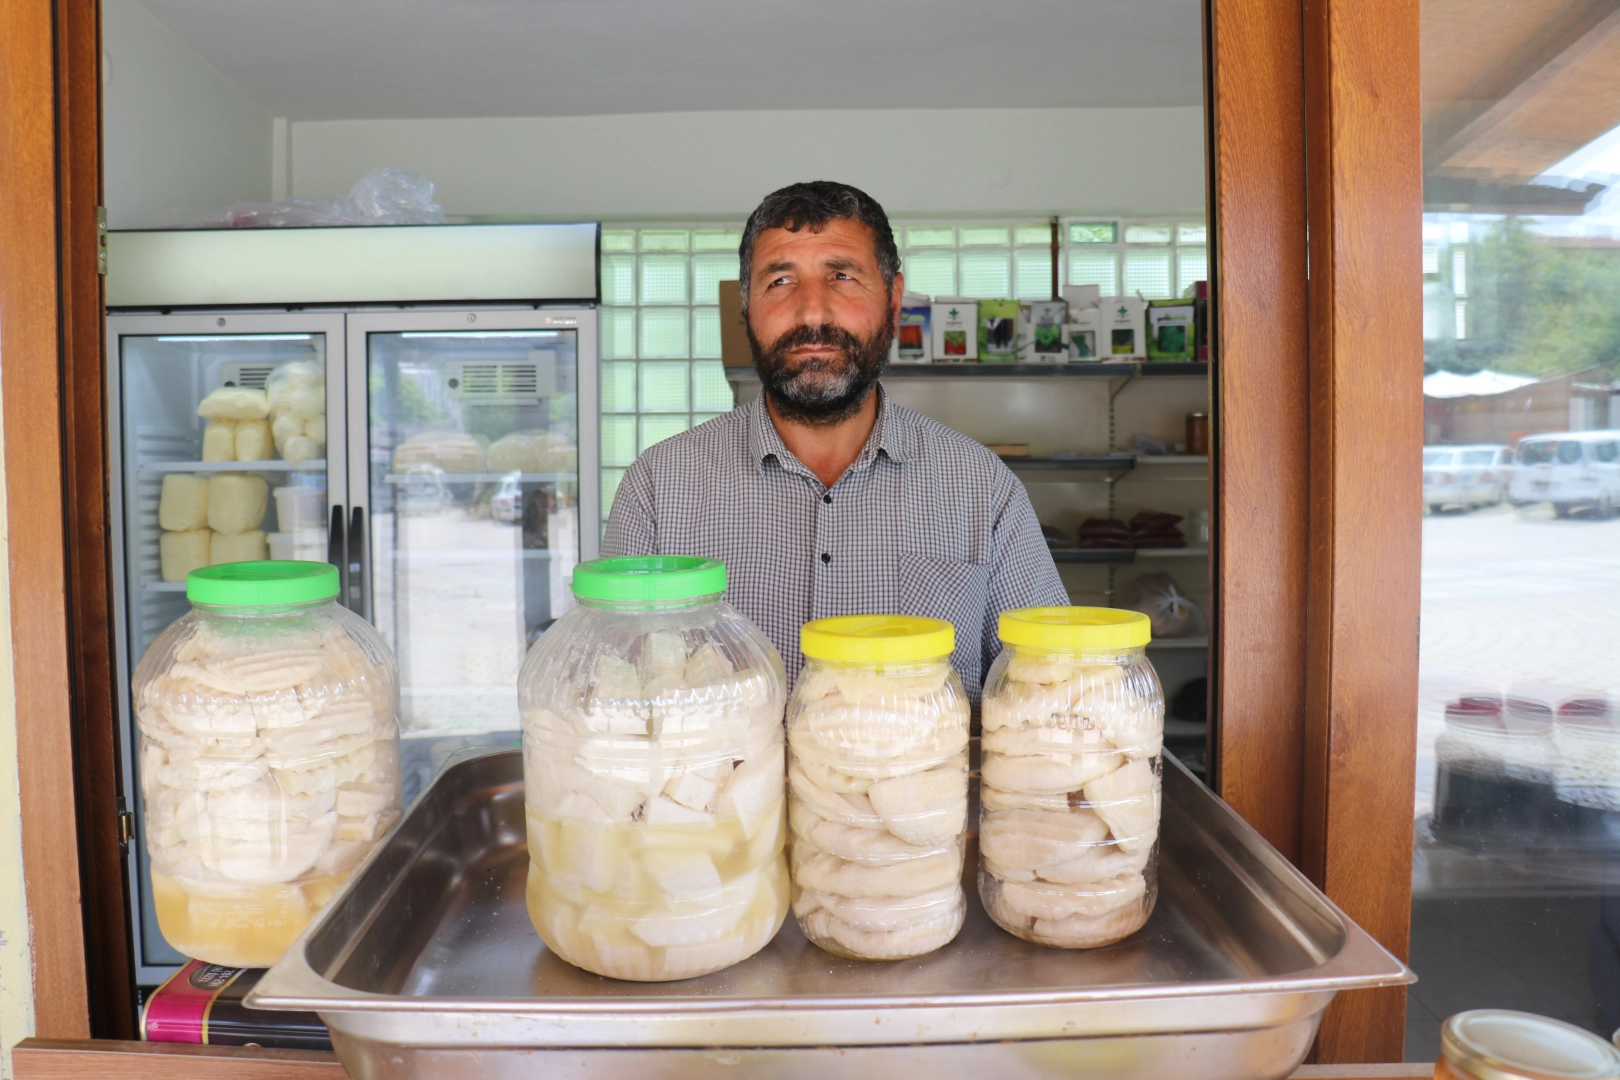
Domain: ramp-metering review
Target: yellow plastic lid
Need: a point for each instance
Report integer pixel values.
(877, 639)
(1074, 628)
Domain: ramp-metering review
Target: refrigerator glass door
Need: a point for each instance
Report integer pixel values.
(244, 485)
(474, 465)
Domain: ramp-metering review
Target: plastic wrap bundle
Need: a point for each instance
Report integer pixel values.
(269, 757)
(877, 786)
(533, 452)
(1073, 722)
(653, 772)
(445, 451)
(296, 392)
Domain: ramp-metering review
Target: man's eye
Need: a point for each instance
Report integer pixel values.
(778, 281)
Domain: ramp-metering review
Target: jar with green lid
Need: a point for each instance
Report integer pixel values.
(1502, 1044)
(653, 774)
(269, 756)
(878, 786)
(1073, 720)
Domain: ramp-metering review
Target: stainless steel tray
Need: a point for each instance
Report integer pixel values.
(426, 964)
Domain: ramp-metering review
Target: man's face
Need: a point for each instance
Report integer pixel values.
(820, 319)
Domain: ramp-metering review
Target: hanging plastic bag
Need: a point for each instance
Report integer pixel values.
(1171, 613)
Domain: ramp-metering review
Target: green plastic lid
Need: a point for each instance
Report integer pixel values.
(267, 583)
(633, 579)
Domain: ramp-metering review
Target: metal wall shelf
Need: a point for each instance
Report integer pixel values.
(1194, 369)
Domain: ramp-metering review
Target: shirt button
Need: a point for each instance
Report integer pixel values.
(826, 498)
(826, 556)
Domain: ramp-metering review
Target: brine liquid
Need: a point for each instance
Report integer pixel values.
(245, 927)
(655, 904)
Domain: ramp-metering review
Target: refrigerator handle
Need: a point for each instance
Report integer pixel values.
(355, 589)
(337, 552)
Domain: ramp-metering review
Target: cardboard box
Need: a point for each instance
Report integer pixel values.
(1082, 296)
(1081, 335)
(1124, 329)
(913, 342)
(998, 331)
(1043, 341)
(734, 350)
(1172, 330)
(955, 324)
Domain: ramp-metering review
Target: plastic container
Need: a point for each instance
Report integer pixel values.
(653, 774)
(877, 786)
(289, 547)
(1069, 801)
(1495, 775)
(1587, 771)
(269, 756)
(1502, 1044)
(300, 509)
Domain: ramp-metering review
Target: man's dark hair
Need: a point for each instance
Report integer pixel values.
(810, 206)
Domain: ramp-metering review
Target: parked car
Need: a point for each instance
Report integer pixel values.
(1465, 476)
(507, 502)
(1575, 471)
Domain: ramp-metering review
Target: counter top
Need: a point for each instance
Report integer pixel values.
(51, 1059)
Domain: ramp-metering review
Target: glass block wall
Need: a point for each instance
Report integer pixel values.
(661, 370)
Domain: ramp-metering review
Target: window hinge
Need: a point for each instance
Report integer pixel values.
(101, 240)
(126, 827)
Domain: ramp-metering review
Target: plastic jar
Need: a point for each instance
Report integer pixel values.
(1073, 723)
(1502, 1044)
(653, 772)
(877, 786)
(1494, 775)
(269, 756)
(1587, 771)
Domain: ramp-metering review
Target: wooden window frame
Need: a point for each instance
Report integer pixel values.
(1319, 419)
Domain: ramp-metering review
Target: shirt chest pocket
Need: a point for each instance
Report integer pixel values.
(957, 592)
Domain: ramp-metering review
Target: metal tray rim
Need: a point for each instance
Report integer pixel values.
(1360, 962)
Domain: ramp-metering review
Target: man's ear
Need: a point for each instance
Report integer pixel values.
(897, 299)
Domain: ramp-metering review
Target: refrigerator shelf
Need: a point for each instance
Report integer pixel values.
(462, 555)
(158, 467)
(480, 478)
(166, 586)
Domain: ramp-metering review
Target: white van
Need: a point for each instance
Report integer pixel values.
(1465, 476)
(1575, 470)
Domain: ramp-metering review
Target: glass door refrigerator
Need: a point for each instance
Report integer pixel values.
(417, 405)
(473, 431)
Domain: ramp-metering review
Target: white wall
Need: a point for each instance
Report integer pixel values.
(178, 135)
(990, 162)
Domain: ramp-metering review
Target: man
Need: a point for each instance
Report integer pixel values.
(821, 496)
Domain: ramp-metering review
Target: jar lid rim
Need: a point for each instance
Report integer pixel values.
(265, 583)
(1074, 628)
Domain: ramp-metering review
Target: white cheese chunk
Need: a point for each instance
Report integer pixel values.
(184, 503)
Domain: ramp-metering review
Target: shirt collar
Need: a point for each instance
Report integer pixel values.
(893, 434)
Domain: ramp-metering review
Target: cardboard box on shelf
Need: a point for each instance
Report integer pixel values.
(913, 343)
(1082, 296)
(1172, 330)
(734, 350)
(998, 331)
(955, 323)
(1082, 335)
(1042, 338)
(1124, 329)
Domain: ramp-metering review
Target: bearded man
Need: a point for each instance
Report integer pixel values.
(822, 496)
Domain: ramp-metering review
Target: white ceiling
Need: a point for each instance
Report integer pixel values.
(376, 59)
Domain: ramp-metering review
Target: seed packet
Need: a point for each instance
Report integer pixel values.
(912, 340)
(1044, 337)
(954, 321)
(998, 331)
(1123, 329)
(1172, 333)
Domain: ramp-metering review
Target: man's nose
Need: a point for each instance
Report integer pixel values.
(815, 308)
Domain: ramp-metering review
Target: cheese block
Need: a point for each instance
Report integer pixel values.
(238, 547)
(315, 429)
(236, 502)
(299, 449)
(253, 441)
(283, 428)
(297, 388)
(235, 403)
(219, 441)
(179, 553)
(184, 503)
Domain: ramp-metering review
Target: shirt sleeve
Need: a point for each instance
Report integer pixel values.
(1022, 573)
(632, 527)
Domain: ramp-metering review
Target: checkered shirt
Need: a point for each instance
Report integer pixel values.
(925, 522)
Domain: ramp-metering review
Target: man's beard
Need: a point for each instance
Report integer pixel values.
(823, 390)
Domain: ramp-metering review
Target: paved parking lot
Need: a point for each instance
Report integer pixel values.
(1514, 599)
